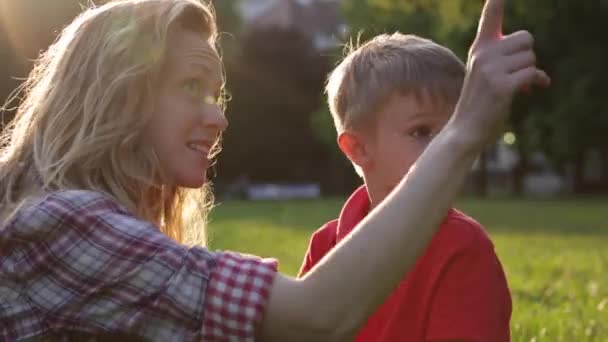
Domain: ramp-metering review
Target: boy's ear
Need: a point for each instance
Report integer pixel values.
(354, 147)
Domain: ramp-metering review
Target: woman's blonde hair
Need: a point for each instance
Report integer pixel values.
(80, 119)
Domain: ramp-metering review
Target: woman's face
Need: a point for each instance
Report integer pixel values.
(187, 118)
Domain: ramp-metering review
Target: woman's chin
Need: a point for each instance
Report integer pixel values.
(193, 181)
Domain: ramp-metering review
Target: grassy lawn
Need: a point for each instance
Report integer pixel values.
(555, 254)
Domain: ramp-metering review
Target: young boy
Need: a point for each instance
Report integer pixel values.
(388, 99)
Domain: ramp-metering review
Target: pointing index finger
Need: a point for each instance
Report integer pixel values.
(490, 22)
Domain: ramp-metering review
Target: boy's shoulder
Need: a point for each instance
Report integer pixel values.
(321, 242)
(458, 230)
(326, 236)
(462, 232)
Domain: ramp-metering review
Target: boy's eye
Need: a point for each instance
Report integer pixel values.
(421, 132)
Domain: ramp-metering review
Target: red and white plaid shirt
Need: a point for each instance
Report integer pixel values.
(78, 261)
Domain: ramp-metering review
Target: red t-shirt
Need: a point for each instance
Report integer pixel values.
(456, 291)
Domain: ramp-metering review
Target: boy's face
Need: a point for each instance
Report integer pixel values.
(403, 129)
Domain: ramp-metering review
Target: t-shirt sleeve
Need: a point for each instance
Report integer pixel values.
(321, 242)
(82, 264)
(472, 300)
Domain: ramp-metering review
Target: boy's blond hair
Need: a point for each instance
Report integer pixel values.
(80, 123)
(389, 64)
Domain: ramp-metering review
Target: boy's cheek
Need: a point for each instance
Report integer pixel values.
(398, 176)
(405, 169)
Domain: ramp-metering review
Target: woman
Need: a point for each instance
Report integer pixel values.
(105, 166)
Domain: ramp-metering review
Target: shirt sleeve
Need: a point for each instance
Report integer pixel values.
(83, 264)
(472, 300)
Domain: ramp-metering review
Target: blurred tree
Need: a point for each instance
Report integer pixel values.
(276, 84)
(570, 120)
(229, 26)
(227, 15)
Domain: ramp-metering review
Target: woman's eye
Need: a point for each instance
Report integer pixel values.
(210, 99)
(197, 89)
(213, 99)
(193, 87)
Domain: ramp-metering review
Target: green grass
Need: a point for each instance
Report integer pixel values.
(555, 254)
